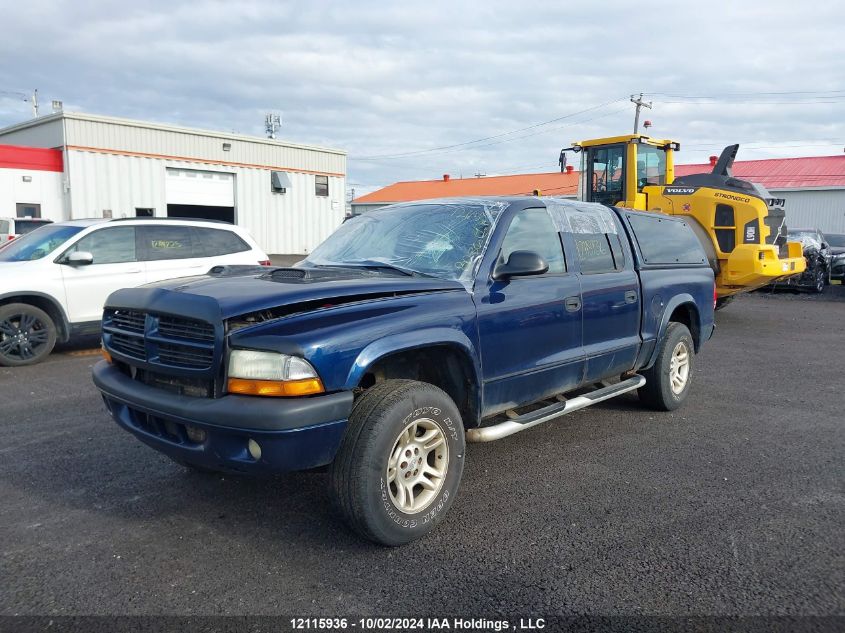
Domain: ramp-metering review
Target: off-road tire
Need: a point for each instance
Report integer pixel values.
(359, 474)
(39, 326)
(657, 393)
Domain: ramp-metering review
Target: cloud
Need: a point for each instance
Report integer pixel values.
(379, 78)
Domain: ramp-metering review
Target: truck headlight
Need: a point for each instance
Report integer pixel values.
(270, 374)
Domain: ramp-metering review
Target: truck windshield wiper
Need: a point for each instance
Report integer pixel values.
(374, 263)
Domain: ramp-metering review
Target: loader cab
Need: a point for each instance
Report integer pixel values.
(616, 170)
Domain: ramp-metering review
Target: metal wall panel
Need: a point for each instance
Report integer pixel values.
(47, 134)
(100, 182)
(41, 187)
(181, 143)
(822, 209)
(290, 223)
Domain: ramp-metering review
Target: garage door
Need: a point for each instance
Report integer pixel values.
(208, 195)
(200, 188)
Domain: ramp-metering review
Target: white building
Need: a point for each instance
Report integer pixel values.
(31, 182)
(289, 196)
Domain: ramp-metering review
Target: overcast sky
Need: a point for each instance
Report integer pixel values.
(380, 79)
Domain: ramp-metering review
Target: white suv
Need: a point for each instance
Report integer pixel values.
(55, 280)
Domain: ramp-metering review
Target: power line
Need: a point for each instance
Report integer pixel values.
(487, 138)
(507, 140)
(15, 93)
(801, 141)
(734, 102)
(746, 94)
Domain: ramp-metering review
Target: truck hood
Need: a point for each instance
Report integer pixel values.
(295, 289)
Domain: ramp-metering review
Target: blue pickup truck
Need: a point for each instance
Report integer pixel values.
(410, 331)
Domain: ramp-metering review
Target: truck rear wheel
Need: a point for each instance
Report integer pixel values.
(668, 380)
(27, 335)
(400, 463)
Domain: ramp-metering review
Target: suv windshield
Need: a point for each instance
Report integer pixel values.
(443, 239)
(39, 243)
(836, 240)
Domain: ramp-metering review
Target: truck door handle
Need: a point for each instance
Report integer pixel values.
(630, 296)
(573, 304)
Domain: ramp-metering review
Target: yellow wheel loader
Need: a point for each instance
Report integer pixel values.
(741, 227)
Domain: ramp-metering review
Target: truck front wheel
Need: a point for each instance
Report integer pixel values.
(400, 463)
(668, 380)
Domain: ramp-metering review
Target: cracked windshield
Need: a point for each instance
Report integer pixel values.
(440, 240)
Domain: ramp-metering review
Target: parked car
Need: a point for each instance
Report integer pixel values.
(818, 255)
(837, 256)
(54, 281)
(10, 228)
(408, 331)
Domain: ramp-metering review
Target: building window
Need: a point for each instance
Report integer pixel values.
(32, 210)
(144, 213)
(322, 188)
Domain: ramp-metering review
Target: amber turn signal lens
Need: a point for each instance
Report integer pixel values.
(106, 354)
(275, 388)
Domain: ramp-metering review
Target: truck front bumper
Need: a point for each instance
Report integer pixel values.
(291, 433)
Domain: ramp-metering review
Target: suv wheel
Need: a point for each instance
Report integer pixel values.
(398, 468)
(668, 380)
(27, 335)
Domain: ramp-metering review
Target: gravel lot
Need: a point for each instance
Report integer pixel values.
(732, 505)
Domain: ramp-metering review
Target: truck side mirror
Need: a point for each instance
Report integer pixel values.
(521, 264)
(79, 258)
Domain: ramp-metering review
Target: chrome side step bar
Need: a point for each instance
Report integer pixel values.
(509, 427)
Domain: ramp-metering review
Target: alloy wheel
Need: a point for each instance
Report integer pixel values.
(679, 367)
(417, 467)
(22, 336)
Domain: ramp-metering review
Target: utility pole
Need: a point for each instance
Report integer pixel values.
(638, 101)
(35, 103)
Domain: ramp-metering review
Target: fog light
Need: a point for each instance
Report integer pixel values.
(195, 435)
(254, 450)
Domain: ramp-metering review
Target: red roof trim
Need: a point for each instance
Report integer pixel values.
(773, 173)
(34, 158)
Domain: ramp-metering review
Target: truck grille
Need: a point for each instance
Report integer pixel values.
(129, 320)
(178, 327)
(160, 339)
(183, 356)
(130, 345)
